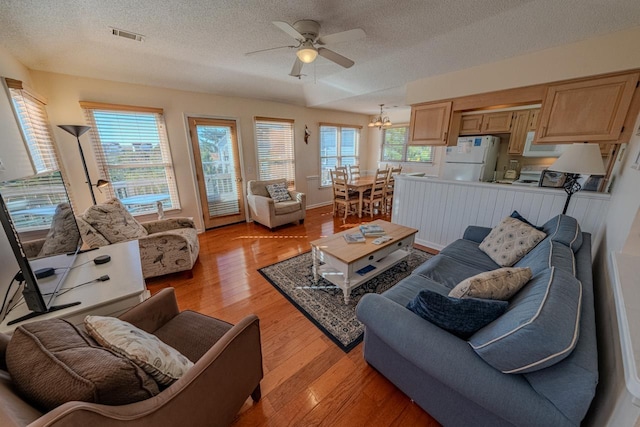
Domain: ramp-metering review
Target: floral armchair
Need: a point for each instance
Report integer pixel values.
(166, 246)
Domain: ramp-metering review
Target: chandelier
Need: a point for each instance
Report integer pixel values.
(380, 121)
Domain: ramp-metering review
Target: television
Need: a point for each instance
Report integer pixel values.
(39, 223)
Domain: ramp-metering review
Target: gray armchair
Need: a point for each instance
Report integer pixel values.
(267, 211)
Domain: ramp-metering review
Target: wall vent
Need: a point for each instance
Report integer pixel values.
(127, 34)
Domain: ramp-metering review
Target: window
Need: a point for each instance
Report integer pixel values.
(338, 147)
(395, 147)
(274, 140)
(132, 151)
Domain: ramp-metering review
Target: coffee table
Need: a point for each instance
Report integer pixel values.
(344, 262)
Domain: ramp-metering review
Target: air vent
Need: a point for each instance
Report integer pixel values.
(127, 34)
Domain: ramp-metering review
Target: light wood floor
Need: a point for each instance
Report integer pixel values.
(308, 381)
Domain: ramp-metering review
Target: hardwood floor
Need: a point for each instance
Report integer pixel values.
(308, 381)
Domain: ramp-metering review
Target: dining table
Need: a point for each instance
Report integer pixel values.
(361, 185)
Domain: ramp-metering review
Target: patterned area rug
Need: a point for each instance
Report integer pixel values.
(323, 303)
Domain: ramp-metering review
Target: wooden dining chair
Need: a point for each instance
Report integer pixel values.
(341, 194)
(375, 196)
(391, 183)
(354, 172)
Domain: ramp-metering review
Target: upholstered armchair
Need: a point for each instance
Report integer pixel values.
(273, 213)
(166, 246)
(227, 370)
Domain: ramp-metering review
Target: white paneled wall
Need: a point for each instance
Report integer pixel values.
(442, 210)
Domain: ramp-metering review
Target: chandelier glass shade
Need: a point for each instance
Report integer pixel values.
(380, 121)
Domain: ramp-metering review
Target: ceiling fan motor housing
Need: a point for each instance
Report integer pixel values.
(308, 28)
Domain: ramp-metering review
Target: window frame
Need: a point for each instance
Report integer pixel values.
(290, 169)
(339, 156)
(405, 147)
(165, 153)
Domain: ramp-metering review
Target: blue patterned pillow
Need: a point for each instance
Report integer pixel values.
(278, 192)
(460, 316)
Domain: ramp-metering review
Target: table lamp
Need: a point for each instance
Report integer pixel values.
(78, 131)
(578, 159)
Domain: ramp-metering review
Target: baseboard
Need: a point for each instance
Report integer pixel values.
(319, 205)
(429, 244)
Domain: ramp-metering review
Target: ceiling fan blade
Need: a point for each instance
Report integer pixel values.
(344, 36)
(289, 30)
(297, 68)
(266, 50)
(335, 57)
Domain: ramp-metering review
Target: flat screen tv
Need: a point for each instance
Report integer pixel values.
(31, 211)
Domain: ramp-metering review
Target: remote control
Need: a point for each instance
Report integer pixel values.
(380, 240)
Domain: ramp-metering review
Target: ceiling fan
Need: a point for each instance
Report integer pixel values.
(306, 34)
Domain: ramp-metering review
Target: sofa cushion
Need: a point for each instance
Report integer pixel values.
(52, 362)
(410, 286)
(468, 253)
(283, 208)
(447, 271)
(500, 284)
(63, 235)
(114, 222)
(510, 240)
(164, 363)
(549, 254)
(540, 327)
(564, 229)
(278, 192)
(461, 317)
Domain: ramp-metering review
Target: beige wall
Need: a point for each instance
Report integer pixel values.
(64, 92)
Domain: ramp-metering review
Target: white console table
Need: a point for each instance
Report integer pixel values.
(124, 289)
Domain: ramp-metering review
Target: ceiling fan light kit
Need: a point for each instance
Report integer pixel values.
(307, 53)
(380, 121)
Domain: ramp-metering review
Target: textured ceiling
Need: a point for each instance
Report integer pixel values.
(199, 45)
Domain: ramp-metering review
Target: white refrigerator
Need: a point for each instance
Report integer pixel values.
(474, 158)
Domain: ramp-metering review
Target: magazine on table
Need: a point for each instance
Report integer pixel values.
(354, 238)
(372, 230)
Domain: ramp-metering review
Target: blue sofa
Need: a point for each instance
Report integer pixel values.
(443, 374)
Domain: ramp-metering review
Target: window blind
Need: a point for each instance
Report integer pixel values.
(132, 151)
(339, 146)
(274, 140)
(32, 115)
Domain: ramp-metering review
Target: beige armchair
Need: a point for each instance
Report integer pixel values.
(267, 211)
(227, 370)
(166, 246)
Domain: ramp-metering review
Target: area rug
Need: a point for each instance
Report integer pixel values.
(323, 303)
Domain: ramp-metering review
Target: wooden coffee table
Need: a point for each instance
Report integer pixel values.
(343, 262)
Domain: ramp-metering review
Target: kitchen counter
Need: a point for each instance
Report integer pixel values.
(442, 209)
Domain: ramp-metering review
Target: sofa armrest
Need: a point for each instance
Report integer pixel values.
(476, 233)
(260, 204)
(211, 393)
(153, 313)
(299, 197)
(161, 225)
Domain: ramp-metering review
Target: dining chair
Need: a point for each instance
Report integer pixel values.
(391, 183)
(354, 172)
(376, 195)
(342, 195)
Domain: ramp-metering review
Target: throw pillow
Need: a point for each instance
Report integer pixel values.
(52, 362)
(500, 284)
(540, 328)
(114, 222)
(279, 192)
(63, 235)
(461, 317)
(509, 241)
(164, 363)
(516, 215)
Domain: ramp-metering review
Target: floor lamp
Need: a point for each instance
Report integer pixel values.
(78, 131)
(578, 159)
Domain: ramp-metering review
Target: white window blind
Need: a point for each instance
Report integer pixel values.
(339, 146)
(132, 150)
(395, 147)
(274, 140)
(32, 115)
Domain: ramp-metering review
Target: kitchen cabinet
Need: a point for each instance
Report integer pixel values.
(587, 110)
(533, 119)
(478, 124)
(430, 124)
(521, 122)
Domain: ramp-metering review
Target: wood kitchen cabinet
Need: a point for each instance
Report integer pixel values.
(471, 124)
(497, 122)
(588, 110)
(533, 119)
(430, 124)
(521, 122)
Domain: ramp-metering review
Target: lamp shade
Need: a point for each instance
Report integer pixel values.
(580, 158)
(75, 130)
(307, 52)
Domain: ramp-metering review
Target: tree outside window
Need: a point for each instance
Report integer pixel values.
(396, 148)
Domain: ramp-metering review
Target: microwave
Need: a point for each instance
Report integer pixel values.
(542, 150)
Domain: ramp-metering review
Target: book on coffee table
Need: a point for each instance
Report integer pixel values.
(372, 230)
(354, 238)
